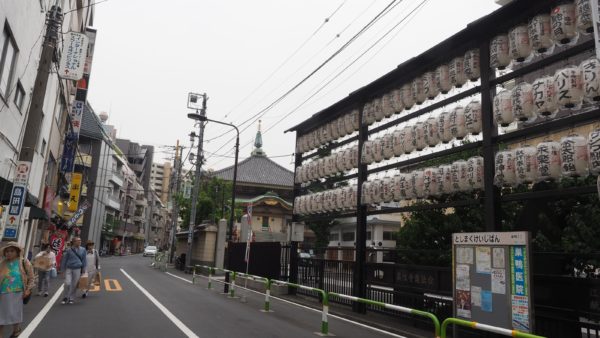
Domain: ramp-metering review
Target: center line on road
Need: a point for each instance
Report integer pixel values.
(40, 316)
(183, 279)
(161, 307)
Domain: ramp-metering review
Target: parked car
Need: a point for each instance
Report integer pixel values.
(150, 250)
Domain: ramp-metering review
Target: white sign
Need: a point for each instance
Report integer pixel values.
(22, 173)
(76, 115)
(73, 57)
(490, 238)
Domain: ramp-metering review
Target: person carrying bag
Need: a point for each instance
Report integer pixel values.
(45, 262)
(93, 268)
(73, 264)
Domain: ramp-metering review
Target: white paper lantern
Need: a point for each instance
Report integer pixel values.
(321, 168)
(340, 199)
(311, 171)
(388, 146)
(431, 131)
(394, 187)
(298, 175)
(505, 175)
(319, 202)
(330, 166)
(355, 121)
(418, 136)
(416, 183)
(329, 135)
(544, 97)
(473, 117)
(442, 79)
(301, 210)
(519, 47)
(348, 159)
(354, 157)
(503, 113)
(366, 195)
(377, 191)
(522, 102)
(396, 100)
(447, 184)
(569, 87)
(458, 127)
(444, 132)
(583, 13)
(377, 107)
(348, 124)
(323, 134)
(471, 64)
(439, 181)
(387, 194)
(301, 172)
(368, 114)
(312, 140)
(367, 152)
(408, 144)
(594, 151)
(326, 201)
(339, 162)
(303, 143)
(341, 126)
(386, 105)
(590, 70)
(309, 204)
(407, 98)
(429, 182)
(548, 161)
(574, 156)
(417, 90)
(354, 196)
(475, 172)
(334, 132)
(347, 198)
(499, 55)
(459, 175)
(526, 165)
(398, 142)
(540, 33)
(563, 19)
(378, 149)
(304, 207)
(429, 87)
(456, 69)
(403, 186)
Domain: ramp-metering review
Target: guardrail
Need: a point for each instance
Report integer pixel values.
(485, 327)
(324, 321)
(436, 322)
(211, 272)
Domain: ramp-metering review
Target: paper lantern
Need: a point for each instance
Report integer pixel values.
(548, 161)
(471, 64)
(300, 205)
(544, 97)
(456, 69)
(564, 28)
(503, 113)
(418, 136)
(522, 102)
(416, 183)
(519, 47)
(429, 182)
(319, 203)
(378, 150)
(429, 87)
(348, 123)
(569, 87)
(377, 191)
(417, 90)
(354, 119)
(583, 13)
(403, 186)
(398, 142)
(458, 127)
(396, 100)
(326, 201)
(312, 140)
(394, 188)
(367, 152)
(323, 135)
(386, 105)
(388, 146)
(347, 199)
(340, 199)
(330, 166)
(341, 126)
(387, 194)
(475, 172)
(504, 168)
(407, 98)
(377, 107)
(540, 33)
(499, 55)
(348, 159)
(334, 132)
(392, 184)
(368, 114)
(301, 174)
(298, 174)
(339, 162)
(354, 196)
(447, 178)
(438, 189)
(458, 171)
(594, 151)
(442, 79)
(574, 156)
(310, 171)
(444, 132)
(590, 70)
(431, 131)
(408, 145)
(473, 117)
(304, 143)
(367, 198)
(354, 157)
(329, 133)
(321, 168)
(526, 165)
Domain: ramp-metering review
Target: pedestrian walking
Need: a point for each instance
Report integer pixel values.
(16, 283)
(45, 261)
(73, 264)
(93, 265)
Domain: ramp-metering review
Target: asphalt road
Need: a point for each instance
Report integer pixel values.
(178, 309)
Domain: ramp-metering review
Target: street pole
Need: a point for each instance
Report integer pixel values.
(195, 190)
(175, 211)
(235, 165)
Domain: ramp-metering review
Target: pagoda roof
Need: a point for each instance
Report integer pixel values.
(258, 170)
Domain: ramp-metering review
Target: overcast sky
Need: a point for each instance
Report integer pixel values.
(150, 54)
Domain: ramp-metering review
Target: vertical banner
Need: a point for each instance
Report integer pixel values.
(75, 189)
(49, 195)
(596, 17)
(57, 243)
(17, 200)
(73, 56)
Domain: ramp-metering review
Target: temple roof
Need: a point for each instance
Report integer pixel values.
(259, 170)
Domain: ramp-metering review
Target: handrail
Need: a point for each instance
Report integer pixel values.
(434, 319)
(485, 327)
(324, 322)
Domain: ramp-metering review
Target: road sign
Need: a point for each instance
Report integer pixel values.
(15, 209)
(73, 57)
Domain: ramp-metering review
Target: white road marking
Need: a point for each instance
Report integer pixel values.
(40, 316)
(183, 279)
(161, 307)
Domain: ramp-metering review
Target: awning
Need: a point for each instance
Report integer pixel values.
(6, 189)
(37, 213)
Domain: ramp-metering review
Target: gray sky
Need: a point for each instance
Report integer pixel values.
(150, 54)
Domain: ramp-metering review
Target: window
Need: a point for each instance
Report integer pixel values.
(19, 96)
(334, 237)
(389, 236)
(8, 56)
(348, 236)
(265, 222)
(368, 235)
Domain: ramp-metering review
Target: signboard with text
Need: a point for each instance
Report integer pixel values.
(17, 200)
(72, 61)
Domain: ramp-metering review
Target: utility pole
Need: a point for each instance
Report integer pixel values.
(195, 190)
(175, 211)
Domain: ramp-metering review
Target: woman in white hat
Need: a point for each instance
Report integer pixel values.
(16, 283)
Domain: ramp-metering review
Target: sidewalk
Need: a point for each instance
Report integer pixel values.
(395, 324)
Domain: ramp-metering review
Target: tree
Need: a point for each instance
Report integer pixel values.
(214, 200)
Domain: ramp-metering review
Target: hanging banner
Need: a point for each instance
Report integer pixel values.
(17, 200)
(57, 243)
(76, 115)
(75, 189)
(68, 157)
(75, 46)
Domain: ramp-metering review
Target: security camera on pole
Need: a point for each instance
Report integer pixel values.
(200, 116)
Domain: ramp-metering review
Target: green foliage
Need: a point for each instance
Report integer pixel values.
(214, 202)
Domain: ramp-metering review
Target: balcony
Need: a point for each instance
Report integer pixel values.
(113, 202)
(117, 179)
(140, 200)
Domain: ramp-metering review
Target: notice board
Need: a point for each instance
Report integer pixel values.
(492, 279)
